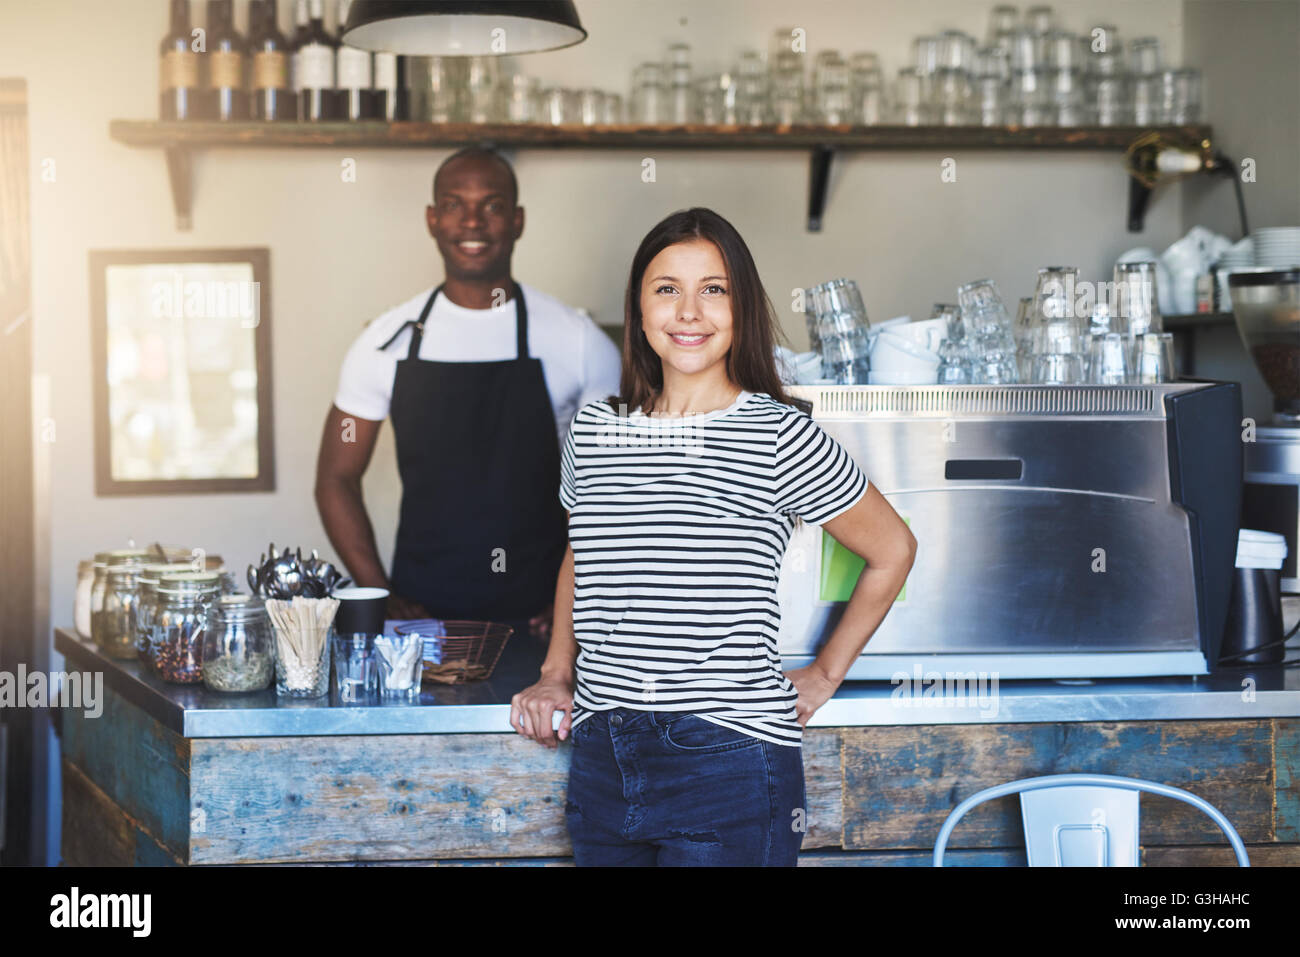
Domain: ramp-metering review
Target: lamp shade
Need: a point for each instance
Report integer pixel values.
(462, 27)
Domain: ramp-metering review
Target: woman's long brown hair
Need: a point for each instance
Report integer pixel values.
(754, 330)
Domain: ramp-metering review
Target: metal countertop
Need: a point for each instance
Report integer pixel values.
(484, 706)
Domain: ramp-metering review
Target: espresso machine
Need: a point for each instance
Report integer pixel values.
(1063, 531)
(1266, 305)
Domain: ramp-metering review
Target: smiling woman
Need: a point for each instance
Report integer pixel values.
(687, 736)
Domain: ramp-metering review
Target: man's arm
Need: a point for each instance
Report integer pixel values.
(346, 445)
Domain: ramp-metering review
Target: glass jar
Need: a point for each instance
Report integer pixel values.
(116, 636)
(103, 561)
(179, 623)
(237, 654)
(147, 604)
(81, 601)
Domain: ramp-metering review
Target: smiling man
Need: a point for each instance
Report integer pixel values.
(481, 377)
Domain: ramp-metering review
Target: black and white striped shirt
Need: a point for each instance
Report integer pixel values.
(678, 527)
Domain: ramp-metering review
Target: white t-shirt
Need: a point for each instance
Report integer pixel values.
(579, 361)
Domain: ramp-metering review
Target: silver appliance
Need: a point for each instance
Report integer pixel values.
(1063, 531)
(1266, 305)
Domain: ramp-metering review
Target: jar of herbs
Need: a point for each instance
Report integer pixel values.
(237, 653)
(180, 619)
(117, 618)
(103, 561)
(147, 604)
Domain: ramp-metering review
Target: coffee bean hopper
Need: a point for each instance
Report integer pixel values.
(1266, 304)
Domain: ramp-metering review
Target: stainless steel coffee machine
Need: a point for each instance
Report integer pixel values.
(1063, 531)
(1266, 304)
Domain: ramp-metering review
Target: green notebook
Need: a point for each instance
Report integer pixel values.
(840, 569)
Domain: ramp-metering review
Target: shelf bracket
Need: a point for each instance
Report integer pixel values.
(179, 168)
(819, 176)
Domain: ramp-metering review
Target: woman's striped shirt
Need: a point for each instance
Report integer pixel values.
(678, 527)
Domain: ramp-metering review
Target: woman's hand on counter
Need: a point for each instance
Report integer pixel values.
(815, 688)
(532, 709)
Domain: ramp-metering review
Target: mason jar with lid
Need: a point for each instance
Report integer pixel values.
(116, 636)
(237, 653)
(103, 560)
(180, 618)
(147, 604)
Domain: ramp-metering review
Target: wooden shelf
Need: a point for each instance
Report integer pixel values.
(180, 139)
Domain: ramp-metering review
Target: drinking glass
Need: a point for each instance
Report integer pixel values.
(1153, 359)
(591, 107)
(751, 88)
(1054, 293)
(845, 361)
(523, 96)
(1056, 337)
(787, 85)
(1103, 39)
(989, 101)
(613, 108)
(831, 100)
(354, 667)
(911, 107)
(558, 106)
(681, 105)
(1065, 91)
(1144, 56)
(399, 661)
(1022, 50)
(992, 61)
(1146, 99)
(1064, 50)
(1002, 19)
(925, 55)
(649, 94)
(1028, 97)
(956, 51)
(951, 91)
(1040, 19)
(1179, 98)
(1108, 359)
(483, 97)
(1136, 298)
(1058, 368)
(1110, 100)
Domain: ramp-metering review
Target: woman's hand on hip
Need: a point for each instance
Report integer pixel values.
(814, 688)
(532, 709)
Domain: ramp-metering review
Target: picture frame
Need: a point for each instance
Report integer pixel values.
(181, 364)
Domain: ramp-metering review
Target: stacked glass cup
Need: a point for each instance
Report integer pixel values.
(955, 365)
(1056, 345)
(988, 328)
(838, 328)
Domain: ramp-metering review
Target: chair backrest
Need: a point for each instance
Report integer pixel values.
(1071, 820)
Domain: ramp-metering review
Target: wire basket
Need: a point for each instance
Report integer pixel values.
(470, 650)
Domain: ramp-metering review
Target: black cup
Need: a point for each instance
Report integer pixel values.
(361, 610)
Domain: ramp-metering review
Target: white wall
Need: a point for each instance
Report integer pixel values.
(341, 253)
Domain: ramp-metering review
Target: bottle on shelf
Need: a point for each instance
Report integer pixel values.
(390, 89)
(178, 68)
(358, 98)
(227, 93)
(271, 96)
(314, 59)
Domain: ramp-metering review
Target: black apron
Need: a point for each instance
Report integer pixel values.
(482, 532)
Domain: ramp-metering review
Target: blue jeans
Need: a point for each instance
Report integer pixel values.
(661, 788)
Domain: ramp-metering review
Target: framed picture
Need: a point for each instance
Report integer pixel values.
(182, 366)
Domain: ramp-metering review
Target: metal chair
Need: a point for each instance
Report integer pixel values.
(1083, 820)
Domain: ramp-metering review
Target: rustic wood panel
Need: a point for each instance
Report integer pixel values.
(1220, 855)
(377, 798)
(160, 133)
(900, 783)
(1286, 757)
(98, 833)
(824, 785)
(140, 765)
